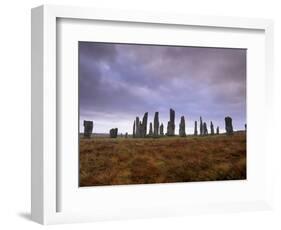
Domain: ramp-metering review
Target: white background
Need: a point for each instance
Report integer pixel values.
(15, 114)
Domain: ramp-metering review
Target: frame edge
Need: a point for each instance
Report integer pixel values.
(37, 162)
(41, 210)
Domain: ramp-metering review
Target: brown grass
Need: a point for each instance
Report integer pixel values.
(105, 161)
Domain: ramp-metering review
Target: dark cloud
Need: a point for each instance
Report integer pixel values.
(119, 82)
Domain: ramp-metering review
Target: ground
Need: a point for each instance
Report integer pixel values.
(106, 161)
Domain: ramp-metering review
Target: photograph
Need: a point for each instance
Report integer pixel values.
(153, 113)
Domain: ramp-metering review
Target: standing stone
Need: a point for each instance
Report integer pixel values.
(156, 124)
(201, 127)
(228, 125)
(205, 129)
(245, 127)
(161, 129)
(218, 130)
(134, 129)
(113, 132)
(212, 129)
(126, 135)
(168, 125)
(195, 129)
(137, 127)
(144, 125)
(150, 130)
(140, 128)
(88, 128)
(182, 127)
(171, 124)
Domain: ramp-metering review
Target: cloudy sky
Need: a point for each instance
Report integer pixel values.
(118, 82)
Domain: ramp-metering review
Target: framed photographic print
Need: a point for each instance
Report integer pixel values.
(139, 114)
(118, 82)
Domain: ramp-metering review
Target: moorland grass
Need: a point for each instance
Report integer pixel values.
(106, 161)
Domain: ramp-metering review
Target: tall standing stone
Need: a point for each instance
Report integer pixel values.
(140, 128)
(195, 129)
(161, 129)
(212, 129)
(201, 127)
(168, 125)
(150, 130)
(218, 130)
(156, 124)
(137, 127)
(171, 124)
(182, 127)
(228, 125)
(144, 125)
(113, 132)
(134, 129)
(88, 128)
(205, 129)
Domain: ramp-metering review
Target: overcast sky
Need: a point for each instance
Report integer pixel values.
(119, 82)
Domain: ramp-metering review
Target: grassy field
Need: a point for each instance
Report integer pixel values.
(105, 161)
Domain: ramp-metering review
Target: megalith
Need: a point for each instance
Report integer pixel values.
(201, 127)
(150, 130)
(182, 127)
(137, 127)
(171, 124)
(143, 131)
(156, 124)
(195, 129)
(134, 129)
(161, 129)
(88, 128)
(212, 128)
(228, 125)
(205, 129)
(113, 132)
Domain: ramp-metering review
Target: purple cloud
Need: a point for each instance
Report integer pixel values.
(118, 82)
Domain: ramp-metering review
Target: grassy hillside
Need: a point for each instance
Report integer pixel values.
(105, 161)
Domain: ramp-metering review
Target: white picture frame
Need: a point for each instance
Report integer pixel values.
(45, 162)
